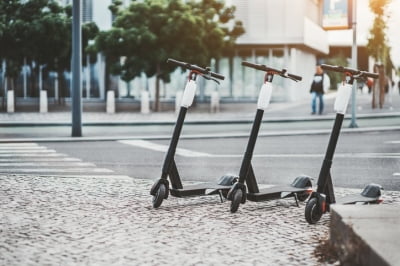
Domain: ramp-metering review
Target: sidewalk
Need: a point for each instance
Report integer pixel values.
(99, 220)
(229, 113)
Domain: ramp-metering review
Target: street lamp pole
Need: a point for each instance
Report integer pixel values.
(353, 123)
(76, 69)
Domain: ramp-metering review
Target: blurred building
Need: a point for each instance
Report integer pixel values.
(279, 33)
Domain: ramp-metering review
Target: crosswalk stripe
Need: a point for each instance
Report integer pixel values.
(7, 155)
(51, 170)
(40, 164)
(22, 144)
(36, 159)
(31, 158)
(23, 148)
(27, 151)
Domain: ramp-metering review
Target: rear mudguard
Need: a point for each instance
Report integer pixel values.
(157, 184)
(372, 191)
(227, 180)
(302, 181)
(236, 186)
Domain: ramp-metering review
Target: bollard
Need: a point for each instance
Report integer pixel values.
(43, 102)
(10, 101)
(145, 102)
(214, 102)
(110, 104)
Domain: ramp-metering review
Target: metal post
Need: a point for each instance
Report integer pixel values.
(353, 123)
(24, 70)
(76, 69)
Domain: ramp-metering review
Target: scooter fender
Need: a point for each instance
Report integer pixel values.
(302, 181)
(236, 186)
(321, 201)
(157, 184)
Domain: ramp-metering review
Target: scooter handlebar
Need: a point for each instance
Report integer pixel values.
(283, 73)
(352, 71)
(201, 70)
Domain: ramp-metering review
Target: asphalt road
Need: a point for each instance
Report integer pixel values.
(360, 158)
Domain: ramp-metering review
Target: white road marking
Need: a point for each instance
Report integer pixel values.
(51, 164)
(24, 158)
(163, 148)
(27, 151)
(8, 155)
(392, 142)
(36, 159)
(12, 148)
(51, 170)
(189, 153)
(396, 174)
(24, 144)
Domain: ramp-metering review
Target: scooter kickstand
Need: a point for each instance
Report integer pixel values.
(220, 195)
(296, 199)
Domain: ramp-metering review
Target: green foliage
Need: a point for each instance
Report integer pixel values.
(377, 44)
(40, 31)
(150, 31)
(335, 77)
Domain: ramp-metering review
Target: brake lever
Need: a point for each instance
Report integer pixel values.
(208, 77)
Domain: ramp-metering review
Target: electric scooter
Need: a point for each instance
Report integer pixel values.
(321, 199)
(160, 190)
(301, 186)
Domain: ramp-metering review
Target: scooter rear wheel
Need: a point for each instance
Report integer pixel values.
(236, 199)
(312, 212)
(159, 196)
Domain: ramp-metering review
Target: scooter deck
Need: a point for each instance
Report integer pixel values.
(354, 198)
(197, 190)
(273, 193)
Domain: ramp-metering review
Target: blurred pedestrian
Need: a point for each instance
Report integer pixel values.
(320, 85)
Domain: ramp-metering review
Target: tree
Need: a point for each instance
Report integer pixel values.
(378, 47)
(38, 31)
(149, 32)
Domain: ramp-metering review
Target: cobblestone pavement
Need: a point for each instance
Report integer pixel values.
(48, 220)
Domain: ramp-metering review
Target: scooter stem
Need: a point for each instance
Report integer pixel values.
(327, 163)
(174, 142)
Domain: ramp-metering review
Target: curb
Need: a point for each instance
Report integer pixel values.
(199, 136)
(194, 122)
(365, 234)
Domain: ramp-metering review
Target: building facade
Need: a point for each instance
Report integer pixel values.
(279, 33)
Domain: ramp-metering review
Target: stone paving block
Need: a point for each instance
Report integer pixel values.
(105, 221)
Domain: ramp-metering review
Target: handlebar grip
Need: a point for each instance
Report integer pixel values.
(332, 68)
(350, 70)
(217, 76)
(371, 75)
(281, 73)
(178, 63)
(295, 77)
(196, 68)
(260, 67)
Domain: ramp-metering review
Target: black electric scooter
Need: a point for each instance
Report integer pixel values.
(320, 200)
(301, 187)
(161, 189)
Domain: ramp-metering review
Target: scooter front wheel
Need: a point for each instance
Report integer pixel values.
(236, 199)
(159, 196)
(312, 212)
